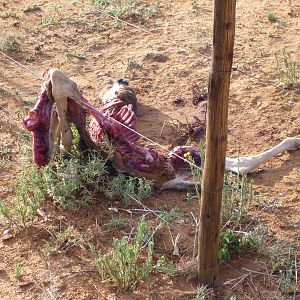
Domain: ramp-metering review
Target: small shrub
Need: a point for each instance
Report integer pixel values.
(116, 223)
(196, 172)
(29, 195)
(18, 271)
(236, 193)
(163, 265)
(50, 20)
(166, 217)
(125, 266)
(231, 241)
(116, 8)
(288, 69)
(9, 42)
(65, 240)
(271, 17)
(202, 293)
(236, 190)
(281, 254)
(126, 188)
(127, 9)
(71, 183)
(195, 4)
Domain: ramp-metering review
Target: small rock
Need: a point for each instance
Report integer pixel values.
(24, 283)
(156, 56)
(179, 102)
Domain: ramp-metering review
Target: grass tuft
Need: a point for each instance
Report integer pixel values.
(125, 266)
(127, 9)
(127, 263)
(9, 42)
(288, 69)
(271, 17)
(126, 188)
(29, 195)
(72, 183)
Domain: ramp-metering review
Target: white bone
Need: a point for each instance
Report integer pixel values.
(245, 164)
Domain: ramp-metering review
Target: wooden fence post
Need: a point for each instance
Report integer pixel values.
(216, 141)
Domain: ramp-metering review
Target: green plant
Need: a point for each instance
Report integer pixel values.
(65, 240)
(71, 183)
(195, 4)
(236, 193)
(116, 223)
(144, 12)
(125, 265)
(288, 69)
(271, 17)
(228, 241)
(116, 8)
(166, 217)
(202, 293)
(281, 254)
(52, 19)
(271, 34)
(163, 265)
(231, 240)
(125, 9)
(196, 172)
(9, 42)
(29, 195)
(190, 197)
(126, 188)
(132, 64)
(18, 271)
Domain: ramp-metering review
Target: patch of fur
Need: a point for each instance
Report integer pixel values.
(119, 89)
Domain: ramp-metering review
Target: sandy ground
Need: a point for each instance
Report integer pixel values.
(169, 67)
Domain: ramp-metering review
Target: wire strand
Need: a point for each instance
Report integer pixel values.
(21, 65)
(155, 213)
(157, 144)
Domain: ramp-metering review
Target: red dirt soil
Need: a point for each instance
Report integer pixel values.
(168, 67)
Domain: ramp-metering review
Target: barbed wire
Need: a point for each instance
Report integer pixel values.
(21, 65)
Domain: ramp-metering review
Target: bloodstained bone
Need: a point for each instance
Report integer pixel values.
(38, 122)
